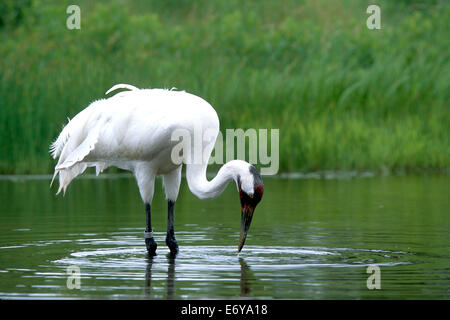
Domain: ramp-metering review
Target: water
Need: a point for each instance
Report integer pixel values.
(310, 239)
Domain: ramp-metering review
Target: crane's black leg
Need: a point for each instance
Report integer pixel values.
(170, 237)
(149, 241)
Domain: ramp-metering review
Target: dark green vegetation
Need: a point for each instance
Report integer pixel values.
(343, 96)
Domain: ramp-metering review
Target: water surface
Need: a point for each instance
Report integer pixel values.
(310, 239)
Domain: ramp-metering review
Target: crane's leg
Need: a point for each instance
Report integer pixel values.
(170, 237)
(172, 182)
(145, 178)
(149, 241)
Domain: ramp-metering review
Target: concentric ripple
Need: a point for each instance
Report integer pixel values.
(116, 265)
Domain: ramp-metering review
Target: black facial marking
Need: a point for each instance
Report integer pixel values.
(257, 180)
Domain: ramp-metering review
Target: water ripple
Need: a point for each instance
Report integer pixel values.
(118, 262)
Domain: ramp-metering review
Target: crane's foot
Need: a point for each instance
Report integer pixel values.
(151, 246)
(150, 243)
(172, 244)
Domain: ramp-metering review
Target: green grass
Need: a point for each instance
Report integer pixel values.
(343, 96)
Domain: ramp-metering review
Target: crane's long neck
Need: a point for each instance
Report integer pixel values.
(202, 188)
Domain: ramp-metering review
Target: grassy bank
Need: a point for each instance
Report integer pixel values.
(343, 96)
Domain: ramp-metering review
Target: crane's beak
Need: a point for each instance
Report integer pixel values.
(246, 219)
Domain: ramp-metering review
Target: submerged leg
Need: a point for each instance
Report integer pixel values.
(170, 237)
(149, 241)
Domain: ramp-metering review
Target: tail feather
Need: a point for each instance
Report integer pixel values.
(53, 179)
(76, 141)
(121, 86)
(57, 146)
(73, 164)
(67, 175)
(80, 152)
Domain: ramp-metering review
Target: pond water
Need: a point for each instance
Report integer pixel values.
(309, 239)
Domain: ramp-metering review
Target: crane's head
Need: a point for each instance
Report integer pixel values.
(251, 189)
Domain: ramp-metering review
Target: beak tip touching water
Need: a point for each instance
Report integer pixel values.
(246, 219)
(241, 244)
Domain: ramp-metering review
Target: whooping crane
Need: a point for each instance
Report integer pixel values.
(132, 131)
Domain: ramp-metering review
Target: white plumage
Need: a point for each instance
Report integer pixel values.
(132, 130)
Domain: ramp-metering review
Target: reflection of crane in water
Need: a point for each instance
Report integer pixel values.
(170, 276)
(246, 277)
(133, 130)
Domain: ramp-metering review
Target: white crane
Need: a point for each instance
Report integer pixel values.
(132, 130)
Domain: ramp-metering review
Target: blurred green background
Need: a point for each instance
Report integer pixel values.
(343, 97)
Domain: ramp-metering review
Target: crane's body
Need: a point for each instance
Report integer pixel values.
(132, 130)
